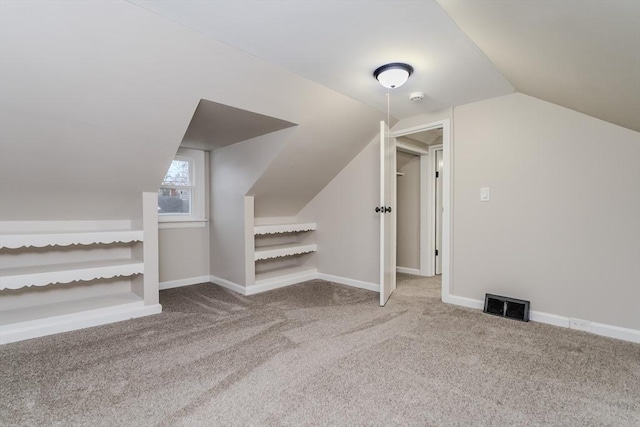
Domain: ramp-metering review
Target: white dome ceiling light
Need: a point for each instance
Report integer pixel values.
(393, 75)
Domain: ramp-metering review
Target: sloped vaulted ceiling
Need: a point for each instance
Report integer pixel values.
(215, 125)
(580, 54)
(583, 55)
(339, 44)
(97, 96)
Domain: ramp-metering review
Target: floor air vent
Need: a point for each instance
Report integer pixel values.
(506, 307)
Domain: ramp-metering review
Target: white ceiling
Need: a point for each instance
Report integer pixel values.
(581, 54)
(339, 43)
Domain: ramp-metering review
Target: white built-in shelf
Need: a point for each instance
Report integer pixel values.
(299, 272)
(42, 275)
(67, 238)
(46, 319)
(283, 228)
(65, 308)
(288, 249)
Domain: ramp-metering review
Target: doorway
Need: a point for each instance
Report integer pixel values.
(419, 202)
(388, 265)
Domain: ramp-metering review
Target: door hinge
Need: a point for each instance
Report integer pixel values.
(436, 252)
(437, 174)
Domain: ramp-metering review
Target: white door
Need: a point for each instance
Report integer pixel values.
(438, 231)
(387, 212)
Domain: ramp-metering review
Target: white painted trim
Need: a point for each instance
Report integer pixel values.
(191, 223)
(288, 280)
(432, 204)
(71, 322)
(419, 128)
(196, 159)
(178, 283)
(43, 275)
(266, 284)
(227, 284)
(464, 302)
(610, 331)
(447, 205)
(15, 227)
(350, 282)
(426, 226)
(410, 149)
(281, 281)
(406, 270)
(550, 319)
(426, 255)
(625, 334)
(249, 241)
(288, 249)
(260, 230)
(447, 196)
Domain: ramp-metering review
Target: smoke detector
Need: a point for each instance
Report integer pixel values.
(416, 96)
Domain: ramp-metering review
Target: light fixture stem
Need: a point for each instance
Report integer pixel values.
(388, 107)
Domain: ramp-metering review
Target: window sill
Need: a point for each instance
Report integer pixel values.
(185, 223)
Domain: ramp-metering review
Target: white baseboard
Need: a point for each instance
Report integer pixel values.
(350, 282)
(275, 283)
(406, 270)
(71, 322)
(550, 319)
(281, 282)
(170, 284)
(227, 284)
(463, 301)
(625, 334)
(611, 331)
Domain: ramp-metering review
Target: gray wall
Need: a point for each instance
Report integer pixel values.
(563, 225)
(92, 115)
(348, 233)
(184, 253)
(234, 169)
(408, 207)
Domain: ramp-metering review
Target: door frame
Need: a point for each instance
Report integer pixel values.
(447, 216)
(426, 220)
(433, 203)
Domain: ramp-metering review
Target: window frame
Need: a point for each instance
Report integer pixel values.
(197, 217)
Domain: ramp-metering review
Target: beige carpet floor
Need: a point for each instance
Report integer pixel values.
(320, 354)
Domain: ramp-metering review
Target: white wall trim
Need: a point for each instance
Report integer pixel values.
(407, 270)
(192, 223)
(426, 253)
(431, 206)
(350, 282)
(447, 193)
(276, 283)
(170, 284)
(281, 282)
(463, 301)
(625, 334)
(74, 321)
(227, 284)
(610, 331)
(550, 319)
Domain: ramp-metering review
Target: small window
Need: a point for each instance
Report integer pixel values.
(182, 192)
(176, 191)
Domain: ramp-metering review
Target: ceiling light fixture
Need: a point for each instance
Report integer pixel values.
(393, 75)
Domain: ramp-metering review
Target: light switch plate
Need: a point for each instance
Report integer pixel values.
(485, 194)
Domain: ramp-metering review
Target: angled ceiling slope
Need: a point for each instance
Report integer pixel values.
(217, 125)
(583, 55)
(339, 44)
